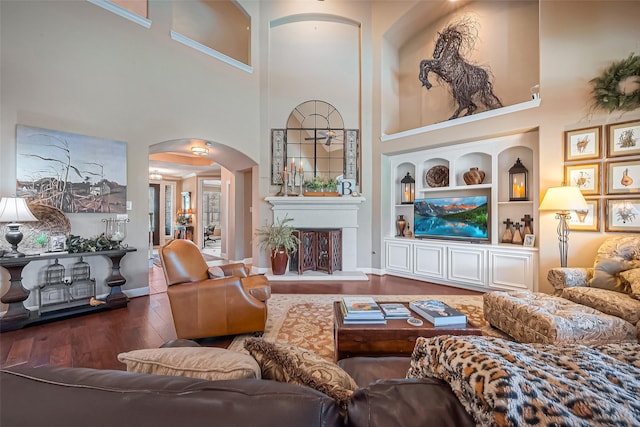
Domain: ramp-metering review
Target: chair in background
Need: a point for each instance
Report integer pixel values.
(212, 234)
(211, 301)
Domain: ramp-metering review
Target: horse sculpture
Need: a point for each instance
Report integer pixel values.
(466, 80)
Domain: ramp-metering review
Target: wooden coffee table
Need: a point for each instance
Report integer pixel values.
(396, 338)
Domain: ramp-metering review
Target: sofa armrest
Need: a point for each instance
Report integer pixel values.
(257, 286)
(563, 277)
(237, 269)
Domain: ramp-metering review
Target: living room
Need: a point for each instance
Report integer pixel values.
(73, 66)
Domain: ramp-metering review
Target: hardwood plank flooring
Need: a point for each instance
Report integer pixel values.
(94, 340)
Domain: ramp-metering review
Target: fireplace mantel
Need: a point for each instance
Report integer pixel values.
(325, 213)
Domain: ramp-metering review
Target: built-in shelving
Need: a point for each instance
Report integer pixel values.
(481, 266)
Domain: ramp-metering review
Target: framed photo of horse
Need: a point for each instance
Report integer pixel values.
(582, 144)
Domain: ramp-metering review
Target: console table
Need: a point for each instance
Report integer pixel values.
(19, 316)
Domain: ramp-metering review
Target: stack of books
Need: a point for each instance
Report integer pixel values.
(438, 313)
(395, 310)
(361, 310)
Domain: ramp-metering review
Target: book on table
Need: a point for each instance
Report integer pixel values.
(438, 313)
(361, 310)
(395, 310)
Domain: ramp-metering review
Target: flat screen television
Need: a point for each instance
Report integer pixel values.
(462, 218)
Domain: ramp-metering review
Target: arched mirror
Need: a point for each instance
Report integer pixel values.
(315, 143)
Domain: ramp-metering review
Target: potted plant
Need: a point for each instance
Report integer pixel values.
(280, 238)
(316, 184)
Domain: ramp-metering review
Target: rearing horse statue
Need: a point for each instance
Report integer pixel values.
(466, 80)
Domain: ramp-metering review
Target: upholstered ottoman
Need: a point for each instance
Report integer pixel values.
(542, 318)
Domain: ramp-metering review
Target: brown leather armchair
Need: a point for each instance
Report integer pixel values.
(206, 306)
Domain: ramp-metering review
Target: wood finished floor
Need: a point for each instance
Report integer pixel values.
(94, 340)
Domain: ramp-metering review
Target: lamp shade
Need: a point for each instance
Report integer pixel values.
(564, 198)
(15, 209)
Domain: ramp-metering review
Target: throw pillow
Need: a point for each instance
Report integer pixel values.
(288, 363)
(605, 274)
(631, 279)
(215, 272)
(209, 363)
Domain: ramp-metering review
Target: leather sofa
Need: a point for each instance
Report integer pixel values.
(81, 396)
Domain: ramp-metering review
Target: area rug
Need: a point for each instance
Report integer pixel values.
(306, 320)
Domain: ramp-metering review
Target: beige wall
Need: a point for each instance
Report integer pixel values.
(578, 40)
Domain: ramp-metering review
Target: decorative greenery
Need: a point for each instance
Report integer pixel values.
(319, 183)
(183, 219)
(607, 93)
(278, 235)
(77, 244)
(41, 239)
(316, 183)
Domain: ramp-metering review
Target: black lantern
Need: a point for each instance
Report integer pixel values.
(407, 189)
(518, 182)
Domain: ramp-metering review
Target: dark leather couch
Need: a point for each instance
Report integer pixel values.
(53, 397)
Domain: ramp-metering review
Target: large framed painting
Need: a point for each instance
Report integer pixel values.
(582, 144)
(623, 139)
(71, 172)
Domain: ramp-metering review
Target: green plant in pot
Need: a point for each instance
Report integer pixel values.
(316, 184)
(280, 239)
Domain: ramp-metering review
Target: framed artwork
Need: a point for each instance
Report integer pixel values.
(586, 220)
(585, 177)
(71, 172)
(57, 243)
(623, 139)
(582, 144)
(623, 177)
(623, 215)
(529, 240)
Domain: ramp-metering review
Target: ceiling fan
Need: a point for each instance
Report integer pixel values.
(327, 135)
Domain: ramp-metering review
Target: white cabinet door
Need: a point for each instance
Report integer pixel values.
(511, 270)
(399, 256)
(430, 260)
(467, 265)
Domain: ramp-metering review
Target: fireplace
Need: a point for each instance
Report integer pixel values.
(324, 214)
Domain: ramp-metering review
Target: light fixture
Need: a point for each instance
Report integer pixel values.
(155, 176)
(199, 151)
(407, 189)
(14, 210)
(518, 182)
(562, 200)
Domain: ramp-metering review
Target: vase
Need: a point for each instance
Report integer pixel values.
(401, 223)
(279, 260)
(408, 232)
(473, 176)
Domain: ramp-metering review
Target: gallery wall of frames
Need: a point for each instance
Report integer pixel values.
(604, 162)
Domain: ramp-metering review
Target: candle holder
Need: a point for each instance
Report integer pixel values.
(116, 230)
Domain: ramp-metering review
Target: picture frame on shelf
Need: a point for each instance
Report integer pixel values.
(582, 144)
(57, 243)
(623, 139)
(586, 177)
(623, 177)
(587, 220)
(623, 215)
(529, 240)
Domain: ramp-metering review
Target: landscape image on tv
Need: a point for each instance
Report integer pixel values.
(451, 217)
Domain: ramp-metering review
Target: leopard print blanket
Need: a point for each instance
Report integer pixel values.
(503, 383)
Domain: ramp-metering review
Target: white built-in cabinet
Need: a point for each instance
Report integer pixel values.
(483, 266)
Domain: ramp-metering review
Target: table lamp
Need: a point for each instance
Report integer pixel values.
(563, 200)
(14, 210)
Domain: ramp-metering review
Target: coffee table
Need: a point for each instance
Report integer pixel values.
(396, 338)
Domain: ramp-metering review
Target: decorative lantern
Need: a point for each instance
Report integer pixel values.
(116, 229)
(407, 189)
(518, 182)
